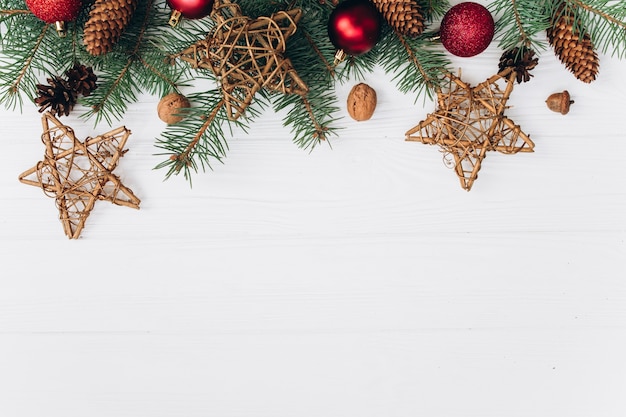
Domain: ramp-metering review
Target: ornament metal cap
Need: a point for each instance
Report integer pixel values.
(60, 27)
(340, 55)
(174, 18)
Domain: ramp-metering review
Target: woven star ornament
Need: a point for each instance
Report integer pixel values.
(470, 121)
(77, 174)
(247, 54)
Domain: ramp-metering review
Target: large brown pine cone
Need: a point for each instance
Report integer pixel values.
(575, 50)
(404, 16)
(107, 21)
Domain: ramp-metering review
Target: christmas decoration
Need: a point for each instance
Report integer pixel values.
(361, 102)
(140, 62)
(560, 102)
(107, 21)
(59, 96)
(522, 60)
(190, 9)
(354, 26)
(467, 29)
(62, 94)
(55, 11)
(170, 107)
(470, 122)
(77, 174)
(573, 45)
(82, 79)
(247, 55)
(404, 16)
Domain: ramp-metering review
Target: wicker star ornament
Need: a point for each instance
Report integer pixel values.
(470, 121)
(77, 174)
(247, 54)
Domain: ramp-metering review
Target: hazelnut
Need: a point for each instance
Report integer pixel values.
(361, 102)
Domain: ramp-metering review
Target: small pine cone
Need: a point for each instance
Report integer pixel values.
(522, 60)
(59, 96)
(82, 79)
(107, 21)
(575, 52)
(404, 16)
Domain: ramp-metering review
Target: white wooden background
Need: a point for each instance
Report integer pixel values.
(354, 281)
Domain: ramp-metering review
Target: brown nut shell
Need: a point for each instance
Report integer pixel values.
(559, 102)
(169, 107)
(361, 102)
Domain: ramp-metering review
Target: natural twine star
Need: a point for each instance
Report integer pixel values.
(470, 121)
(78, 173)
(247, 54)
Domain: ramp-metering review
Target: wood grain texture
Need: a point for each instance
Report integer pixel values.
(355, 280)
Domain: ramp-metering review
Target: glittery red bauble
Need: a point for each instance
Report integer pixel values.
(354, 26)
(466, 29)
(51, 11)
(192, 9)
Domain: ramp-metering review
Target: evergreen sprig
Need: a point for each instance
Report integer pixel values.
(29, 48)
(524, 22)
(31, 51)
(199, 140)
(137, 64)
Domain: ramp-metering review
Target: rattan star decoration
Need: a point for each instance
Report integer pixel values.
(77, 174)
(247, 54)
(470, 121)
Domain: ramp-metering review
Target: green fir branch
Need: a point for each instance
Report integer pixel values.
(524, 22)
(19, 76)
(521, 23)
(605, 21)
(310, 117)
(197, 141)
(416, 64)
(135, 65)
(434, 9)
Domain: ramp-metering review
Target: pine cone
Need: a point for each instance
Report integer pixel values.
(82, 79)
(522, 60)
(58, 96)
(107, 21)
(404, 16)
(576, 52)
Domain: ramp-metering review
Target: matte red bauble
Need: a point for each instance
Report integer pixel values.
(55, 11)
(190, 9)
(467, 29)
(354, 26)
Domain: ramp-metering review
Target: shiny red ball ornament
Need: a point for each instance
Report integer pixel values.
(354, 27)
(190, 9)
(55, 11)
(467, 29)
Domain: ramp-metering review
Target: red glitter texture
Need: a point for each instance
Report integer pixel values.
(467, 29)
(51, 11)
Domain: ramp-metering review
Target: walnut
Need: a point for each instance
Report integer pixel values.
(169, 107)
(361, 102)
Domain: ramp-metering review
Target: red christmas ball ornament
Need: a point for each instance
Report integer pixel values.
(190, 9)
(354, 27)
(55, 11)
(467, 29)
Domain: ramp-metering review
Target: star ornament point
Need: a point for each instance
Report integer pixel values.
(77, 174)
(470, 121)
(247, 54)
